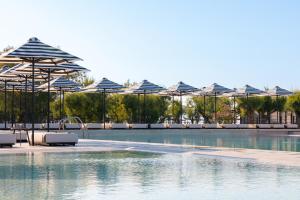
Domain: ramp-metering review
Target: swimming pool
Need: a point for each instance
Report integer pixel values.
(134, 175)
(220, 138)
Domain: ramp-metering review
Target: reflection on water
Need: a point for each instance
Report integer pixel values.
(236, 139)
(124, 175)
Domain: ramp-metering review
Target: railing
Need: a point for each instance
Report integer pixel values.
(73, 120)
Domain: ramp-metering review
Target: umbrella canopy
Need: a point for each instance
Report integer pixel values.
(37, 50)
(249, 90)
(215, 89)
(180, 88)
(61, 83)
(145, 87)
(278, 91)
(103, 85)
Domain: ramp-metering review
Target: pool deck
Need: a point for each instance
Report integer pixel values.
(86, 145)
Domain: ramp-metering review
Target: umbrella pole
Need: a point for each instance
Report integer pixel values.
(144, 106)
(139, 109)
(32, 103)
(48, 101)
(104, 111)
(20, 106)
(63, 103)
(5, 102)
(25, 102)
(12, 105)
(277, 105)
(181, 111)
(173, 108)
(247, 103)
(234, 111)
(60, 106)
(215, 107)
(204, 109)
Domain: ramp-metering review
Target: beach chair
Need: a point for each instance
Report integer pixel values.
(7, 139)
(176, 126)
(93, 125)
(278, 126)
(139, 126)
(291, 126)
(229, 126)
(119, 126)
(194, 126)
(264, 126)
(53, 138)
(157, 126)
(210, 126)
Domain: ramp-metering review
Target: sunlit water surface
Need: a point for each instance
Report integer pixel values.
(136, 176)
(220, 138)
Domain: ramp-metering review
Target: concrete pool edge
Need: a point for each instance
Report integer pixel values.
(86, 145)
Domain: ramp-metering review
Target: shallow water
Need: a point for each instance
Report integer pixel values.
(234, 139)
(136, 176)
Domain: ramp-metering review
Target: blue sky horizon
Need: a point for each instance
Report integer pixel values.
(232, 43)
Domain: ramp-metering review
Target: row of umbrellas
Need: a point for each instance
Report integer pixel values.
(38, 62)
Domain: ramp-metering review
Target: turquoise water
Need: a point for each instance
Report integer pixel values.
(137, 176)
(236, 139)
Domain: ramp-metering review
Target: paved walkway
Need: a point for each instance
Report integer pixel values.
(85, 145)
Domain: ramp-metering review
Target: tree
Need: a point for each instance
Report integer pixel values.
(293, 103)
(116, 109)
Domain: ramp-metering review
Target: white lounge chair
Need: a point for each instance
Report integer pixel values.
(292, 126)
(93, 125)
(229, 126)
(210, 126)
(176, 126)
(278, 126)
(157, 126)
(72, 126)
(36, 126)
(52, 138)
(119, 126)
(194, 126)
(246, 126)
(138, 126)
(264, 126)
(7, 139)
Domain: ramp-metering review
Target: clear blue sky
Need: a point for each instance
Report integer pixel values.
(199, 42)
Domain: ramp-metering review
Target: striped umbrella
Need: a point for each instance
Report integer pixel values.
(51, 70)
(60, 84)
(104, 86)
(178, 90)
(247, 91)
(214, 90)
(278, 91)
(34, 51)
(145, 87)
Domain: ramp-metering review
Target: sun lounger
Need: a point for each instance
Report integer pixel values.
(52, 126)
(291, 125)
(7, 139)
(72, 126)
(264, 126)
(279, 126)
(194, 126)
(93, 125)
(246, 126)
(36, 126)
(229, 126)
(138, 126)
(176, 126)
(157, 126)
(119, 126)
(52, 138)
(2, 126)
(208, 126)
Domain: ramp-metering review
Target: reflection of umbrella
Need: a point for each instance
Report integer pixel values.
(61, 84)
(104, 86)
(35, 52)
(145, 87)
(278, 91)
(247, 91)
(178, 90)
(214, 90)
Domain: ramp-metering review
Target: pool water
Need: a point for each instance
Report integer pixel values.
(136, 176)
(224, 138)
